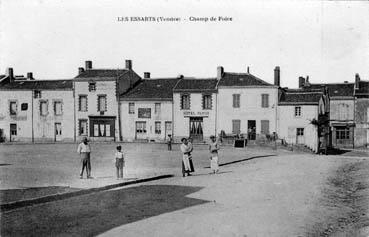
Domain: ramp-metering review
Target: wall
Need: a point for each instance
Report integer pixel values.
(361, 131)
(181, 122)
(250, 108)
(288, 124)
(23, 119)
(341, 110)
(128, 121)
(44, 126)
(102, 87)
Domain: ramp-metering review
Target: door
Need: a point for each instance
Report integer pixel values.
(168, 129)
(236, 126)
(251, 129)
(13, 132)
(58, 132)
(196, 128)
(300, 139)
(141, 131)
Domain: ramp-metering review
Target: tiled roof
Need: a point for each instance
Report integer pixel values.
(37, 85)
(101, 73)
(300, 96)
(241, 79)
(152, 89)
(363, 90)
(198, 85)
(337, 89)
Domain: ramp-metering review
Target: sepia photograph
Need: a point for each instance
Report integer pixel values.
(185, 118)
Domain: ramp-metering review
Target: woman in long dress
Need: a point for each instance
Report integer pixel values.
(213, 149)
(185, 149)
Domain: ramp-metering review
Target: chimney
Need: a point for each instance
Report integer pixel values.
(88, 65)
(277, 76)
(180, 76)
(248, 70)
(220, 71)
(30, 76)
(301, 82)
(80, 70)
(146, 75)
(10, 74)
(129, 64)
(357, 81)
(307, 83)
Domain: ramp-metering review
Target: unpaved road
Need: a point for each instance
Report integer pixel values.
(285, 195)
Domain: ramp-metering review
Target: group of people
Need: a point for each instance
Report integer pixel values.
(187, 163)
(84, 149)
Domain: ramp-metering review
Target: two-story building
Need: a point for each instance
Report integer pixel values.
(146, 109)
(97, 100)
(361, 132)
(194, 108)
(246, 104)
(36, 110)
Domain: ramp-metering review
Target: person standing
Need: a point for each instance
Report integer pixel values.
(84, 150)
(190, 147)
(119, 162)
(213, 149)
(169, 142)
(185, 162)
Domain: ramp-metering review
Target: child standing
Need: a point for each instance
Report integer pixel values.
(213, 148)
(169, 142)
(119, 162)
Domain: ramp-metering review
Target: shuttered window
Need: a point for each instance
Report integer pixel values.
(236, 126)
(264, 126)
(264, 100)
(236, 100)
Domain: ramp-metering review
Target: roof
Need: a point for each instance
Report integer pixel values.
(363, 90)
(336, 89)
(241, 79)
(37, 85)
(160, 89)
(101, 73)
(300, 96)
(196, 85)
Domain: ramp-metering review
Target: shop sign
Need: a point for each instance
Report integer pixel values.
(144, 112)
(196, 114)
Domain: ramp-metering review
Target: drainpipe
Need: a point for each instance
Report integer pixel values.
(33, 137)
(74, 113)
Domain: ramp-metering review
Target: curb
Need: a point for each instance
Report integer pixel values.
(55, 197)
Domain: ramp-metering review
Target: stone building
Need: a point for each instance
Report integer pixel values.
(361, 132)
(97, 100)
(147, 110)
(36, 110)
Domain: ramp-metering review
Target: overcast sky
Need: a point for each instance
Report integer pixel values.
(327, 40)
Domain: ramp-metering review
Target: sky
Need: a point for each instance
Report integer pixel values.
(327, 40)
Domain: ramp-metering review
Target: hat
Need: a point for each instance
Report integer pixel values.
(183, 139)
(212, 136)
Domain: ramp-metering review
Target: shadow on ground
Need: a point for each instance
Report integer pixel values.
(242, 160)
(13, 195)
(93, 214)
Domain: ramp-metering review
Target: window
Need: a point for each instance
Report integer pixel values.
(236, 126)
(140, 127)
(101, 103)
(157, 127)
(300, 132)
(185, 101)
(343, 133)
(83, 127)
(82, 103)
(206, 102)
(24, 106)
(298, 111)
(102, 127)
(92, 86)
(264, 100)
(264, 126)
(157, 108)
(13, 108)
(58, 108)
(131, 108)
(236, 100)
(43, 108)
(13, 129)
(37, 94)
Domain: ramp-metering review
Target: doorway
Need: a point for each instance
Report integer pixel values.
(141, 132)
(196, 128)
(251, 129)
(300, 139)
(168, 129)
(58, 132)
(13, 132)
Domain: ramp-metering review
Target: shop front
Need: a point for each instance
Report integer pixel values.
(102, 128)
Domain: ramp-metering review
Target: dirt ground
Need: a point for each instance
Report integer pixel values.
(287, 194)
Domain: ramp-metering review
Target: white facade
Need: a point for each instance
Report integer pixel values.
(250, 108)
(149, 120)
(183, 119)
(289, 124)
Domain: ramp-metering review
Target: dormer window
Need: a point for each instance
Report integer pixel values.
(92, 86)
(37, 94)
